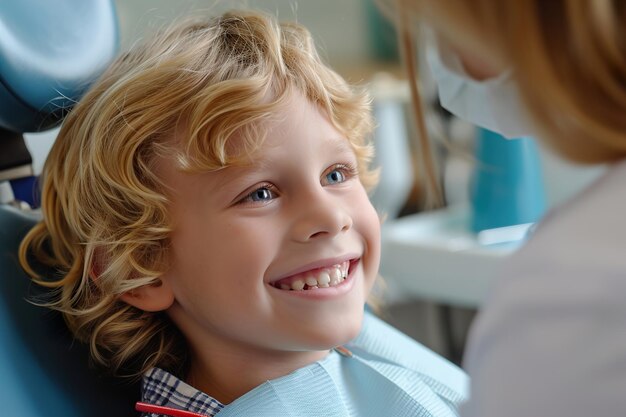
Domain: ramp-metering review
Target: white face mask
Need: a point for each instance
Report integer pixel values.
(493, 104)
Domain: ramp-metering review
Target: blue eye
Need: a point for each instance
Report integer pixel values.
(335, 177)
(340, 173)
(261, 194)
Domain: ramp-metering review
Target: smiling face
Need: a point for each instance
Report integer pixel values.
(279, 255)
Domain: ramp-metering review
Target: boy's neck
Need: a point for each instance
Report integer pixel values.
(228, 375)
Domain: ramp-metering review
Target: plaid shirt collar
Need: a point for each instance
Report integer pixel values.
(162, 388)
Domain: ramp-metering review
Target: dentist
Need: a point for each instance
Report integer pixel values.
(551, 338)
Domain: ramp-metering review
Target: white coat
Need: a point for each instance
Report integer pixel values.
(551, 339)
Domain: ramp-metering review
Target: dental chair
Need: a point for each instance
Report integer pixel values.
(50, 51)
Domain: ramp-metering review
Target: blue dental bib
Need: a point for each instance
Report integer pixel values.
(381, 373)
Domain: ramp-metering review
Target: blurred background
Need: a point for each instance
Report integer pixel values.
(436, 270)
(343, 29)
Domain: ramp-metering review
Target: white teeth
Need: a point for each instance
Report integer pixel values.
(335, 276)
(323, 279)
(297, 285)
(327, 277)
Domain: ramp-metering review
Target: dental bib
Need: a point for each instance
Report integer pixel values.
(380, 373)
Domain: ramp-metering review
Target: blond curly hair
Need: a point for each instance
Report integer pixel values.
(105, 228)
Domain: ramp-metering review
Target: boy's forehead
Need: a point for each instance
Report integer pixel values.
(268, 150)
(258, 143)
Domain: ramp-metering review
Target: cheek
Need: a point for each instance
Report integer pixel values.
(374, 245)
(223, 254)
(368, 222)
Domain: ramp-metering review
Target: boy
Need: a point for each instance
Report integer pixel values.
(206, 205)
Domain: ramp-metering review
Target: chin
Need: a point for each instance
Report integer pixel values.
(339, 335)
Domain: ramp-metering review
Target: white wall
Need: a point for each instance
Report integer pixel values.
(338, 26)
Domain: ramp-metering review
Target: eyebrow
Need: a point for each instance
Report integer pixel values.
(341, 144)
(338, 145)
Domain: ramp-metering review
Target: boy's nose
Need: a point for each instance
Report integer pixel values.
(320, 218)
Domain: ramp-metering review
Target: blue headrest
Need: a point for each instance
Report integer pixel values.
(43, 371)
(50, 51)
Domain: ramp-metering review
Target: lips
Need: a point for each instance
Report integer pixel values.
(331, 274)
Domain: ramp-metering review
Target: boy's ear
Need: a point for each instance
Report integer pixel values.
(152, 298)
(155, 297)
